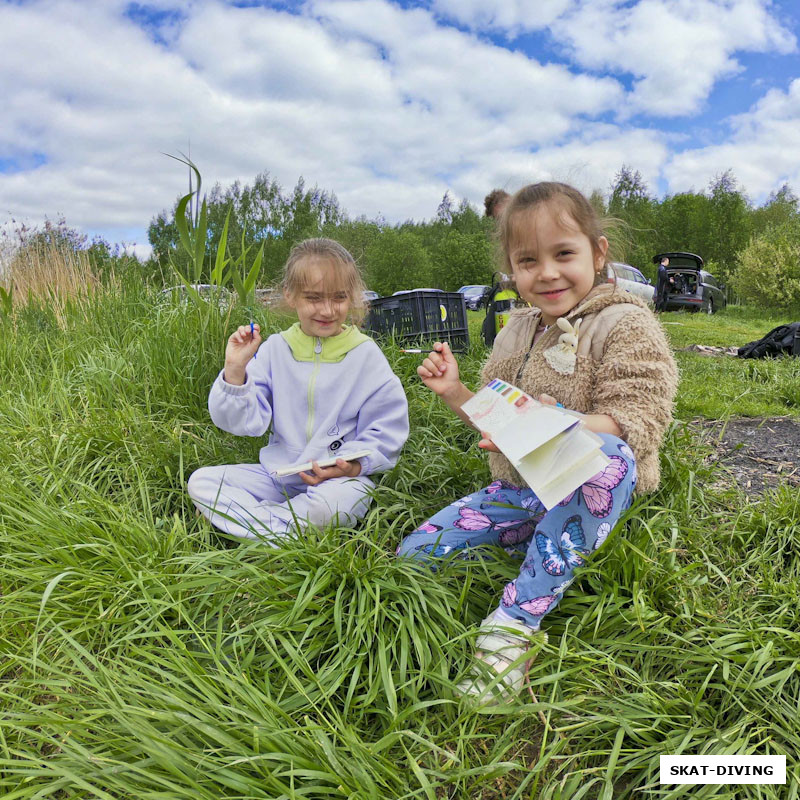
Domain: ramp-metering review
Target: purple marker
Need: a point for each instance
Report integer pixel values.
(252, 334)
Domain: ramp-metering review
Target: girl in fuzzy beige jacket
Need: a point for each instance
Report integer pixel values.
(620, 375)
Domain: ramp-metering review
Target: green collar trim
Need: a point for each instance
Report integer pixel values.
(334, 348)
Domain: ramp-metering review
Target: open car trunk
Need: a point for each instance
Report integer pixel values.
(685, 282)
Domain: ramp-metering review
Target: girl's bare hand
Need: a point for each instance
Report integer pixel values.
(547, 400)
(241, 347)
(343, 469)
(439, 371)
(486, 443)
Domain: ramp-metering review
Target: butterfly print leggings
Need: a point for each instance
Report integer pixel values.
(554, 542)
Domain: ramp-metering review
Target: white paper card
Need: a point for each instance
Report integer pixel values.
(549, 447)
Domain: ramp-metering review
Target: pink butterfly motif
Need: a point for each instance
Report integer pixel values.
(470, 519)
(516, 535)
(539, 605)
(596, 491)
(428, 527)
(510, 594)
(497, 486)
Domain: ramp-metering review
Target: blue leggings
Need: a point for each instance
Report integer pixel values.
(554, 542)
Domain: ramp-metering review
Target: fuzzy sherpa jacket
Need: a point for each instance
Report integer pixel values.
(624, 368)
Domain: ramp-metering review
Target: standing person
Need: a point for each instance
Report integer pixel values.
(495, 202)
(324, 387)
(662, 282)
(622, 378)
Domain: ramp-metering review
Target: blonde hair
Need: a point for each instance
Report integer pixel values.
(344, 276)
(565, 202)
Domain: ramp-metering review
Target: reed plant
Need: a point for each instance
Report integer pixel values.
(42, 271)
(146, 656)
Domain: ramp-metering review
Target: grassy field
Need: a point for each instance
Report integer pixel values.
(144, 656)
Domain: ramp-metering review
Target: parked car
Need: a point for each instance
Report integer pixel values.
(207, 291)
(370, 295)
(690, 286)
(269, 296)
(631, 280)
(473, 295)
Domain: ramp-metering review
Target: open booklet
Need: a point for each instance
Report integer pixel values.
(548, 446)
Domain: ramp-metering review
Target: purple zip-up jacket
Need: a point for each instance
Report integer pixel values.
(324, 397)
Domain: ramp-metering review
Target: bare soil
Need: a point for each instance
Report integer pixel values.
(754, 453)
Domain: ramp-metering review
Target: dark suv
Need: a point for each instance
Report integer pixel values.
(690, 286)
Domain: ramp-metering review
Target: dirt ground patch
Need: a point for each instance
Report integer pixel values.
(754, 453)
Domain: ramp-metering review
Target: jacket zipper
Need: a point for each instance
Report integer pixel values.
(533, 344)
(311, 385)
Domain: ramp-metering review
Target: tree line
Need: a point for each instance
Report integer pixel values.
(754, 250)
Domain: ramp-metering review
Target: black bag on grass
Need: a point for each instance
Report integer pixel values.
(780, 341)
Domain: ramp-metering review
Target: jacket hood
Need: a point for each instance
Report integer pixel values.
(332, 349)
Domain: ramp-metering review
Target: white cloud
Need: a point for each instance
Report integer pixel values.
(676, 49)
(381, 105)
(762, 151)
(388, 107)
(510, 16)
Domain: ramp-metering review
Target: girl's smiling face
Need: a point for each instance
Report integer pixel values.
(553, 261)
(320, 306)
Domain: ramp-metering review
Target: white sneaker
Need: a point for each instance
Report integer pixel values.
(497, 674)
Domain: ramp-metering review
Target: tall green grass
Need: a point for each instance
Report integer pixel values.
(145, 656)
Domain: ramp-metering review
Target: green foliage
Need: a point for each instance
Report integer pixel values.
(456, 245)
(630, 202)
(6, 301)
(193, 237)
(463, 258)
(191, 234)
(257, 216)
(781, 207)
(683, 222)
(768, 269)
(397, 260)
(729, 223)
(146, 656)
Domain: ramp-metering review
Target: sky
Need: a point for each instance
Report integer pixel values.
(388, 104)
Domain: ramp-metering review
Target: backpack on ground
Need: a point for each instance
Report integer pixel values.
(783, 340)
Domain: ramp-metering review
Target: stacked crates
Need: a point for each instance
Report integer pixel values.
(421, 316)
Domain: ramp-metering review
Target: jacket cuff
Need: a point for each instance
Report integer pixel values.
(365, 461)
(231, 388)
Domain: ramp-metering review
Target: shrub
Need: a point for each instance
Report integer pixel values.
(767, 272)
(397, 260)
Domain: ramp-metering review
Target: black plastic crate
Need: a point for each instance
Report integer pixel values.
(421, 315)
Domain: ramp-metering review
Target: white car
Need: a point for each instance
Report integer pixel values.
(207, 291)
(631, 280)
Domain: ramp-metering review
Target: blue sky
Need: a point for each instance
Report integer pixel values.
(387, 104)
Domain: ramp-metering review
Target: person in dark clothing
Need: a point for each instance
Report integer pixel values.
(661, 285)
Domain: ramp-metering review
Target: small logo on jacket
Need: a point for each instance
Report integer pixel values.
(334, 446)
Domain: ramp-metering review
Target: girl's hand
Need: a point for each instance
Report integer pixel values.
(242, 346)
(486, 443)
(439, 371)
(547, 400)
(343, 469)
